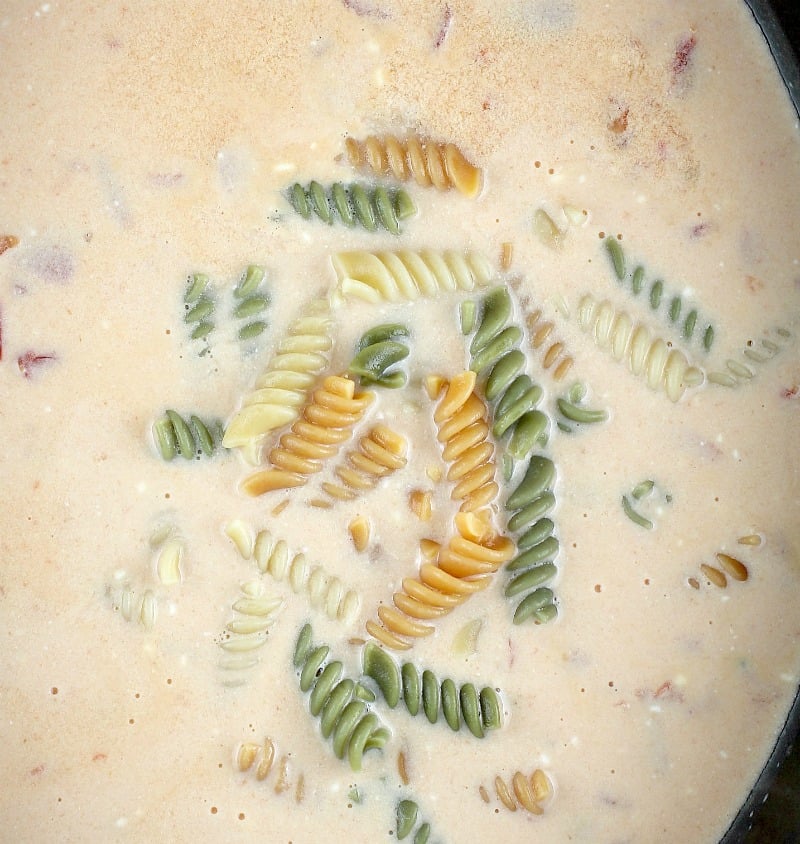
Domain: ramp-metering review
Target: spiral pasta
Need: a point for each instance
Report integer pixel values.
(426, 162)
(526, 791)
(574, 413)
(262, 759)
(423, 692)
(553, 352)
(174, 435)
(494, 348)
(340, 704)
(198, 306)
(463, 430)
(462, 567)
(377, 351)
(380, 453)
(282, 389)
(353, 204)
(405, 275)
(686, 325)
(534, 566)
(246, 633)
(250, 303)
(406, 817)
(325, 591)
(753, 355)
(662, 367)
(327, 422)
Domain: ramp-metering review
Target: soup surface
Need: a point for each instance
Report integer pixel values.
(486, 316)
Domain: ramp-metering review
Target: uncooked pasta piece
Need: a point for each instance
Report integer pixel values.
(428, 163)
(327, 422)
(282, 390)
(406, 275)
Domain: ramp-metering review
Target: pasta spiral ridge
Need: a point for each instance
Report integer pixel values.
(428, 163)
(250, 303)
(246, 633)
(424, 692)
(353, 204)
(199, 307)
(463, 431)
(656, 297)
(405, 275)
(341, 704)
(327, 422)
(377, 352)
(463, 567)
(380, 453)
(261, 760)
(753, 355)
(527, 791)
(534, 567)
(406, 817)
(495, 348)
(174, 435)
(325, 592)
(282, 389)
(662, 367)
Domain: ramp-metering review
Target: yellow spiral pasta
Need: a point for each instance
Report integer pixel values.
(324, 591)
(406, 275)
(463, 567)
(662, 367)
(554, 353)
(380, 453)
(461, 418)
(327, 422)
(428, 163)
(282, 389)
(526, 791)
(262, 759)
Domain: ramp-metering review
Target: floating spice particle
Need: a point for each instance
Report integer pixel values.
(714, 575)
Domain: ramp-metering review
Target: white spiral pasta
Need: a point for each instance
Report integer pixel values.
(406, 275)
(662, 367)
(325, 592)
(282, 389)
(753, 355)
(246, 633)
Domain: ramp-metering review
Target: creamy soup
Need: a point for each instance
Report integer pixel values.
(399, 419)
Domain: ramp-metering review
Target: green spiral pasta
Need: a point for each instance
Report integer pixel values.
(406, 275)
(174, 435)
(198, 306)
(478, 710)
(671, 305)
(250, 303)
(377, 352)
(407, 815)
(753, 356)
(574, 413)
(353, 204)
(494, 351)
(533, 567)
(341, 705)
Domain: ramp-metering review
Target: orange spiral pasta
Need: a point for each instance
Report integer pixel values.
(428, 163)
(326, 423)
(463, 566)
(461, 418)
(527, 791)
(379, 453)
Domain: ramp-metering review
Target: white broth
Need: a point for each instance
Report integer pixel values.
(624, 179)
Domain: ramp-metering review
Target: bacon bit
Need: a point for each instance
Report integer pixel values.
(683, 54)
(7, 241)
(619, 124)
(790, 392)
(30, 361)
(445, 27)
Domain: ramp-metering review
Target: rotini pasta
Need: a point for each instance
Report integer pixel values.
(377, 351)
(405, 275)
(282, 389)
(262, 759)
(427, 163)
(662, 367)
(574, 413)
(463, 430)
(250, 303)
(494, 348)
(340, 704)
(406, 817)
(246, 633)
(198, 306)
(173, 436)
(729, 566)
(423, 692)
(464, 566)
(380, 453)
(530, 502)
(353, 204)
(686, 325)
(526, 791)
(325, 592)
(753, 355)
(328, 421)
